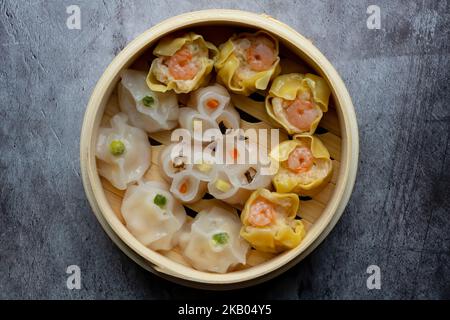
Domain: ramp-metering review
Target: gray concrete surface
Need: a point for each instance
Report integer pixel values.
(398, 217)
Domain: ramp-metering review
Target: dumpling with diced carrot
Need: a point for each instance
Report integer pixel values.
(241, 168)
(183, 64)
(210, 101)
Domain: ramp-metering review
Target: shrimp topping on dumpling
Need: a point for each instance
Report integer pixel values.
(305, 165)
(182, 64)
(269, 222)
(297, 101)
(123, 152)
(247, 62)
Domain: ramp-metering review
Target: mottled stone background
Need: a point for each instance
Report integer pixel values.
(398, 216)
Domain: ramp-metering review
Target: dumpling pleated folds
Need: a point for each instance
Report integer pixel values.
(297, 101)
(212, 243)
(304, 165)
(146, 109)
(153, 215)
(248, 62)
(182, 64)
(123, 152)
(269, 223)
(241, 168)
(210, 101)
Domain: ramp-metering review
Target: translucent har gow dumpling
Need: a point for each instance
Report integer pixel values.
(153, 215)
(210, 101)
(187, 187)
(229, 119)
(123, 151)
(200, 126)
(149, 110)
(214, 243)
(173, 161)
(242, 169)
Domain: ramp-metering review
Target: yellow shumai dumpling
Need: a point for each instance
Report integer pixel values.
(305, 165)
(297, 101)
(183, 64)
(247, 62)
(269, 223)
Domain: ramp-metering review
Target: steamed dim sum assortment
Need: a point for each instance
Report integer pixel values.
(188, 88)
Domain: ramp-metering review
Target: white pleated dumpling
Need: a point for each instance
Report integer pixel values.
(149, 110)
(223, 188)
(228, 119)
(123, 151)
(239, 169)
(197, 124)
(187, 187)
(204, 164)
(214, 243)
(153, 215)
(252, 175)
(173, 161)
(210, 101)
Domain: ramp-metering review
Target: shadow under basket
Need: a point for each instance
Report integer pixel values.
(338, 131)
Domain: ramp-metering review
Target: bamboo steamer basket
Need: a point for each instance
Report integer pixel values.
(320, 213)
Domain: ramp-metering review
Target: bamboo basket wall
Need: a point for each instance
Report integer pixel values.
(338, 131)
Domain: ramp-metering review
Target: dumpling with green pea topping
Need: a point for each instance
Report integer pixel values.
(153, 215)
(213, 242)
(149, 110)
(123, 152)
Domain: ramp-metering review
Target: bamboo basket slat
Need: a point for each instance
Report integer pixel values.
(318, 213)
